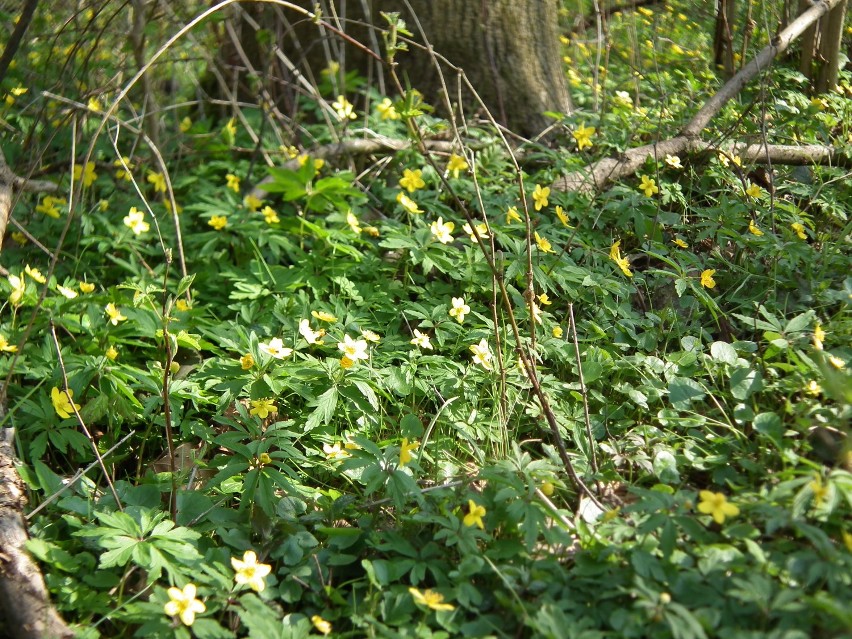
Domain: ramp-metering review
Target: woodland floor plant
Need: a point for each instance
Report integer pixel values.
(321, 398)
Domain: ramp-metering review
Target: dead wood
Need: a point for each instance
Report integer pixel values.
(25, 607)
(608, 170)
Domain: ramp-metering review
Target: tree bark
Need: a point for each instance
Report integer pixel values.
(508, 49)
(25, 607)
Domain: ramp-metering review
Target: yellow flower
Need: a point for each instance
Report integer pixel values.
(372, 231)
(387, 111)
(322, 626)
(158, 180)
(135, 221)
(799, 229)
(114, 314)
(111, 353)
(540, 195)
(252, 203)
(346, 363)
(231, 128)
(5, 346)
(754, 229)
(481, 231)
(673, 161)
(87, 287)
(218, 222)
(649, 186)
(182, 603)
(246, 361)
(459, 309)
(623, 99)
(275, 347)
(182, 305)
(430, 599)
(716, 504)
(248, 571)
(547, 488)
(62, 403)
(94, 105)
(232, 182)
(421, 340)
(19, 237)
(481, 354)
(185, 125)
(583, 135)
(407, 203)
(847, 540)
(87, 174)
(543, 244)
(707, 280)
(343, 108)
(563, 217)
(512, 215)
(269, 215)
(405, 451)
(354, 349)
(819, 337)
(411, 180)
(679, 242)
(819, 489)
(835, 361)
(457, 163)
(352, 221)
(311, 336)
(623, 262)
(323, 316)
(474, 515)
(813, 388)
(544, 299)
(263, 408)
(124, 166)
(370, 336)
(753, 190)
(557, 332)
(35, 274)
(48, 206)
(442, 231)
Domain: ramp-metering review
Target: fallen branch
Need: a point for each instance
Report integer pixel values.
(608, 170)
(25, 608)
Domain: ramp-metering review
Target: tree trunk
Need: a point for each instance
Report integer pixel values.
(509, 50)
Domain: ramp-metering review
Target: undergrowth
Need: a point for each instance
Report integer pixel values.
(299, 404)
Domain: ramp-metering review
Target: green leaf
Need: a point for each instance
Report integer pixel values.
(745, 382)
(324, 411)
(723, 353)
(683, 391)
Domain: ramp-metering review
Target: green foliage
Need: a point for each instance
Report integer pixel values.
(314, 373)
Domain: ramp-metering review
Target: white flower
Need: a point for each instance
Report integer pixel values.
(353, 349)
(442, 230)
(276, 348)
(481, 354)
(311, 336)
(421, 340)
(459, 309)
